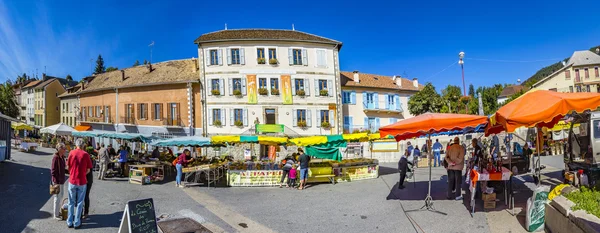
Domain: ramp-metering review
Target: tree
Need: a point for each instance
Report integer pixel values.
(426, 100)
(451, 96)
(99, 65)
(145, 62)
(8, 102)
(137, 63)
(110, 68)
(69, 78)
(471, 90)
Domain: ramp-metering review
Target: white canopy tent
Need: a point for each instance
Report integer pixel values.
(58, 129)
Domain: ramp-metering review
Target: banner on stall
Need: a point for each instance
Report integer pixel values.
(359, 173)
(253, 178)
(251, 85)
(269, 128)
(385, 145)
(286, 86)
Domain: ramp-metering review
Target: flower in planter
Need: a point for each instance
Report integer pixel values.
(323, 93)
(217, 123)
(325, 125)
(302, 124)
(216, 92)
(300, 92)
(274, 91)
(237, 93)
(238, 123)
(356, 131)
(273, 61)
(263, 91)
(261, 60)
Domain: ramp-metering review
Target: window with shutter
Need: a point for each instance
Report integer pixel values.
(567, 74)
(587, 73)
(297, 56)
(214, 57)
(235, 57)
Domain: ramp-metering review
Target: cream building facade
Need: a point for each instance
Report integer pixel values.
(580, 74)
(276, 77)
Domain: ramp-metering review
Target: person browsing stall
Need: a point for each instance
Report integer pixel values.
(304, 160)
(456, 161)
(437, 150)
(182, 161)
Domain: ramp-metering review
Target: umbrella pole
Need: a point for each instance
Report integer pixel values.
(428, 200)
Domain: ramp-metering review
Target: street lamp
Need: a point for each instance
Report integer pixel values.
(461, 55)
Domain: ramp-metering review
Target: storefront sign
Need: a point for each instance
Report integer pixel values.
(253, 177)
(386, 145)
(252, 99)
(269, 128)
(286, 86)
(359, 173)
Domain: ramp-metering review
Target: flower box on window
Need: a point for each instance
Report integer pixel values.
(261, 60)
(237, 93)
(274, 91)
(217, 123)
(325, 125)
(263, 91)
(273, 61)
(216, 92)
(301, 93)
(238, 123)
(302, 124)
(323, 93)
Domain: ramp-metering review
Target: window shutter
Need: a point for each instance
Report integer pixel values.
(377, 121)
(228, 56)
(324, 58)
(317, 87)
(346, 122)
(222, 86)
(231, 117)
(160, 116)
(244, 86)
(365, 104)
(308, 118)
(307, 87)
(397, 102)
(376, 100)
(242, 56)
(223, 122)
(153, 111)
(353, 97)
(245, 117)
(318, 123)
(304, 57)
(209, 89)
(139, 111)
(207, 57)
(293, 86)
(210, 116)
(230, 87)
(177, 116)
(220, 56)
(290, 56)
(332, 118)
(330, 88)
(387, 101)
(350, 123)
(108, 112)
(295, 117)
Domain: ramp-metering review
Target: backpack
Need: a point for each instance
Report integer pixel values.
(175, 161)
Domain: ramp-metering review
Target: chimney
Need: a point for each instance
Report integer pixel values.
(416, 82)
(195, 64)
(150, 67)
(43, 76)
(398, 80)
(83, 85)
(122, 75)
(356, 78)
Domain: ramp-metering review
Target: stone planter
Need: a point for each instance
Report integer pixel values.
(560, 218)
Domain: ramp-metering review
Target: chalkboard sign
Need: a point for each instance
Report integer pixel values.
(139, 217)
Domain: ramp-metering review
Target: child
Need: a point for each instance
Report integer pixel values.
(292, 177)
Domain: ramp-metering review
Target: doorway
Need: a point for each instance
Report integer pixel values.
(270, 116)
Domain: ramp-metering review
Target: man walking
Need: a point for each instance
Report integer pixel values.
(437, 149)
(402, 168)
(455, 158)
(103, 158)
(79, 164)
(303, 159)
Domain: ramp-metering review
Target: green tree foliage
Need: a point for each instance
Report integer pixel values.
(542, 73)
(99, 65)
(110, 68)
(137, 63)
(451, 96)
(471, 90)
(426, 100)
(8, 102)
(145, 62)
(69, 78)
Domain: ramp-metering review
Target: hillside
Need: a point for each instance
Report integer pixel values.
(545, 71)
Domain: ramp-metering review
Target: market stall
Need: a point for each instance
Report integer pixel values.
(477, 176)
(146, 173)
(58, 129)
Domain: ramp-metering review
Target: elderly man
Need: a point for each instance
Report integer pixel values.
(456, 161)
(79, 165)
(104, 158)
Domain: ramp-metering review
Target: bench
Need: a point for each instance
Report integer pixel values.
(330, 177)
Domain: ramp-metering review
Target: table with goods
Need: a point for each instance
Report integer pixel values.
(144, 170)
(490, 173)
(27, 146)
(213, 170)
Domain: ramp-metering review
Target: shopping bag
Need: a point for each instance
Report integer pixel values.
(536, 209)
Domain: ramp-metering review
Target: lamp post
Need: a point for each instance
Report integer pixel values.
(461, 55)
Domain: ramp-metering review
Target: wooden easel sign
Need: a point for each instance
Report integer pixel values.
(139, 217)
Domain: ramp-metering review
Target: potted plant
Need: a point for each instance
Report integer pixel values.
(323, 93)
(237, 93)
(263, 91)
(274, 91)
(325, 125)
(302, 124)
(273, 61)
(356, 131)
(217, 123)
(238, 123)
(261, 60)
(301, 93)
(216, 92)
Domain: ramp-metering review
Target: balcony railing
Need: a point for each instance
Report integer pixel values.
(372, 128)
(173, 122)
(370, 107)
(97, 120)
(127, 120)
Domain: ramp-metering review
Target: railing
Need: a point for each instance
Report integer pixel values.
(128, 120)
(97, 120)
(360, 128)
(173, 122)
(371, 107)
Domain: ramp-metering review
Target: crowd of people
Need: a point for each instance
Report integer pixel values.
(294, 163)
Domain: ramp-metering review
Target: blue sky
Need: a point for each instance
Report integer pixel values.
(410, 38)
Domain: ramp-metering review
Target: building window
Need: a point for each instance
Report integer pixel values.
(586, 73)
(237, 84)
(596, 71)
(274, 84)
(324, 114)
(262, 83)
(235, 56)
(576, 75)
(571, 89)
(578, 88)
(143, 111)
(173, 114)
(214, 57)
(391, 102)
(260, 53)
(272, 53)
(370, 100)
(216, 116)
(321, 58)
(157, 112)
(587, 88)
(238, 115)
(98, 111)
(129, 113)
(299, 83)
(301, 115)
(297, 56)
(215, 85)
(90, 111)
(322, 84)
(346, 97)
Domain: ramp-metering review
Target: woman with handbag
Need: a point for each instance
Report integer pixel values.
(58, 178)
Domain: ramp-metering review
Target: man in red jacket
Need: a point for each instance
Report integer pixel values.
(79, 164)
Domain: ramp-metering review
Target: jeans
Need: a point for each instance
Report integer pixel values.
(86, 209)
(291, 182)
(76, 197)
(284, 174)
(436, 159)
(103, 169)
(58, 200)
(454, 183)
(303, 173)
(179, 174)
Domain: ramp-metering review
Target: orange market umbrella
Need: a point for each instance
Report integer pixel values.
(430, 123)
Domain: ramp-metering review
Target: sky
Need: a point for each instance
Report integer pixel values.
(503, 40)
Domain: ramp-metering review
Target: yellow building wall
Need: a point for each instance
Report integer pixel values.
(52, 107)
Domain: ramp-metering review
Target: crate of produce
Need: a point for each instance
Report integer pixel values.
(489, 204)
(489, 197)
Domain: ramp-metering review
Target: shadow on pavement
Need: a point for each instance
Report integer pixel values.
(102, 221)
(23, 191)
(385, 170)
(41, 153)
